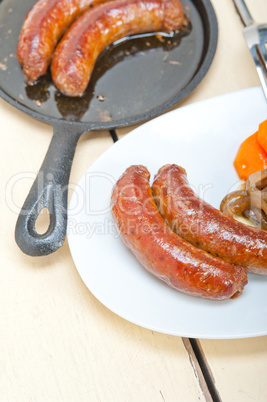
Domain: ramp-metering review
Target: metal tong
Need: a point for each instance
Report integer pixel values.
(256, 39)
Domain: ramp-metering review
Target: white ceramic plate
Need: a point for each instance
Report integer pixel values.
(203, 138)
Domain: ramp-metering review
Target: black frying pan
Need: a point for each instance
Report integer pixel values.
(132, 82)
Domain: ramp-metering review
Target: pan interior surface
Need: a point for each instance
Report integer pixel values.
(132, 81)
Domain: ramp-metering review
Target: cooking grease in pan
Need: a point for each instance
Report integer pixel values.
(140, 73)
(138, 46)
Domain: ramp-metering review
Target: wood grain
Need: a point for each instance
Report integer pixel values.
(57, 342)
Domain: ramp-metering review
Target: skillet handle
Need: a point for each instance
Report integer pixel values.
(49, 190)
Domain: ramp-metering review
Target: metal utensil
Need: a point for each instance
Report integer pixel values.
(256, 39)
(129, 90)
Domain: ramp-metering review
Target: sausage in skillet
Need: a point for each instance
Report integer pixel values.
(162, 252)
(42, 28)
(97, 28)
(206, 227)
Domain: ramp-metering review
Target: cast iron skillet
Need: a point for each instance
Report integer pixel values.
(132, 82)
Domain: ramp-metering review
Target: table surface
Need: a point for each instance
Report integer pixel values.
(57, 342)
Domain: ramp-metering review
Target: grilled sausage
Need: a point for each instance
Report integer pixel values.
(42, 28)
(162, 252)
(90, 34)
(206, 227)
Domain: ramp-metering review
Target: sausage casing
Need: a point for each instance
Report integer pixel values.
(92, 32)
(43, 26)
(206, 227)
(162, 252)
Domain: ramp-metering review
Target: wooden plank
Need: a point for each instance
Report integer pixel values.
(58, 343)
(239, 368)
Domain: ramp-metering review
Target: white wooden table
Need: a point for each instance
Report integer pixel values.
(57, 342)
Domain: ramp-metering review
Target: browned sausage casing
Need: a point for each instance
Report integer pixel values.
(77, 52)
(162, 252)
(42, 28)
(206, 227)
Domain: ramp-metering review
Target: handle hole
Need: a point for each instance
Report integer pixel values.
(42, 222)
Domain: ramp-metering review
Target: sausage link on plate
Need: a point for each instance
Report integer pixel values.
(91, 33)
(205, 226)
(43, 26)
(162, 252)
